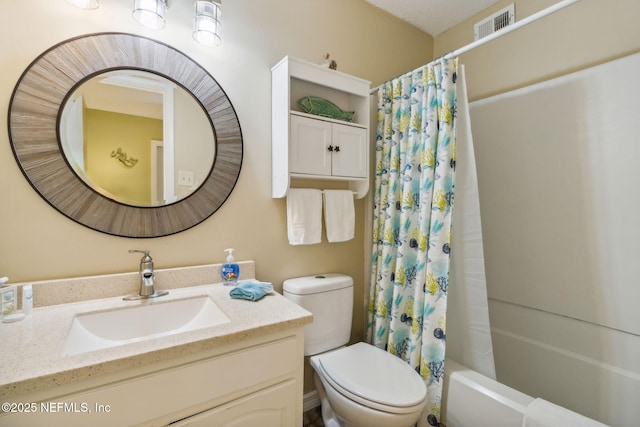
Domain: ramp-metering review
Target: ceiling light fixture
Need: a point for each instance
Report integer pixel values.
(150, 13)
(85, 4)
(207, 17)
(206, 22)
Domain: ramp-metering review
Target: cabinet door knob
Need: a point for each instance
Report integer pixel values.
(337, 148)
(331, 148)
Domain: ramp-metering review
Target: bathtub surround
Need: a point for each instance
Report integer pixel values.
(541, 413)
(588, 149)
(473, 399)
(584, 366)
(413, 204)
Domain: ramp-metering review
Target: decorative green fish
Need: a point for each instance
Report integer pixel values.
(325, 108)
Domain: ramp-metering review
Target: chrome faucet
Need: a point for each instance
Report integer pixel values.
(147, 277)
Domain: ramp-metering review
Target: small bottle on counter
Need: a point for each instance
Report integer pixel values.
(230, 270)
(27, 299)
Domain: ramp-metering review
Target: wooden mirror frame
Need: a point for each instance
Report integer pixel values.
(34, 112)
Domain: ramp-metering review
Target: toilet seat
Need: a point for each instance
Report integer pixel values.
(373, 378)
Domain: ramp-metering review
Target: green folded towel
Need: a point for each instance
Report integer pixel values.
(251, 290)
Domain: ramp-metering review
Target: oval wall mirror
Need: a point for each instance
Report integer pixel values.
(83, 149)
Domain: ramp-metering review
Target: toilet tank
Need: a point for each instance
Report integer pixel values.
(329, 297)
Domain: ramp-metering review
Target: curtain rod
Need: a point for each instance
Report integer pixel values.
(506, 30)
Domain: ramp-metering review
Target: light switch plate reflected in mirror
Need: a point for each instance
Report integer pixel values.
(186, 178)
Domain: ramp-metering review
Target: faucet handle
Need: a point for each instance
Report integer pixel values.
(145, 252)
(146, 262)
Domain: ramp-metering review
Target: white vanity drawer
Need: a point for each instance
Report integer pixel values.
(271, 407)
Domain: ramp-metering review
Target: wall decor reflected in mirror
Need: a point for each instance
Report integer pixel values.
(125, 135)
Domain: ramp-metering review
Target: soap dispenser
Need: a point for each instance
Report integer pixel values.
(230, 270)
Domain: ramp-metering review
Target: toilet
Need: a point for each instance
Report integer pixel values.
(359, 385)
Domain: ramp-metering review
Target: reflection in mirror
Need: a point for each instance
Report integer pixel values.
(137, 138)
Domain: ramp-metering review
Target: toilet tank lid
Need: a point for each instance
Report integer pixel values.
(317, 283)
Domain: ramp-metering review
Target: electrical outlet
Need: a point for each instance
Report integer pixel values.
(186, 178)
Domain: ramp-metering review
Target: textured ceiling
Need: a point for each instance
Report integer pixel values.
(433, 16)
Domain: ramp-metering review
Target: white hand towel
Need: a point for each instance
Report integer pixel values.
(541, 413)
(304, 216)
(339, 215)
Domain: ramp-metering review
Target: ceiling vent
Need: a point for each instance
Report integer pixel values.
(494, 22)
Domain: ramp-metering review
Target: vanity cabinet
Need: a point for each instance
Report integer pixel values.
(306, 146)
(249, 383)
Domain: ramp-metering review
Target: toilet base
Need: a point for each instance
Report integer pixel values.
(329, 417)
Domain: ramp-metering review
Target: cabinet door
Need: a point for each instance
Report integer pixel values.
(350, 151)
(271, 407)
(310, 141)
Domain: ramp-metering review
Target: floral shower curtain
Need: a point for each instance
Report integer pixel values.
(413, 202)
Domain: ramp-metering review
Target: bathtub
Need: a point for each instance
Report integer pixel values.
(469, 399)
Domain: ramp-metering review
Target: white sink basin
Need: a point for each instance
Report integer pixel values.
(103, 329)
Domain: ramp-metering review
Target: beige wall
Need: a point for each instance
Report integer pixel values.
(37, 242)
(587, 33)
(40, 243)
(585, 366)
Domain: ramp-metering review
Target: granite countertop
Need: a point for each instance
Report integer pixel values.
(32, 348)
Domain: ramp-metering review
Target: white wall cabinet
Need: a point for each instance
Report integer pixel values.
(304, 145)
(328, 149)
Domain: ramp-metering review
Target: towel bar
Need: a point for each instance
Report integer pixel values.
(355, 193)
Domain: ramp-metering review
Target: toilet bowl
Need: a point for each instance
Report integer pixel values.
(359, 385)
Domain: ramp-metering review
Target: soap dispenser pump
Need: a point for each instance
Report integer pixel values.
(230, 270)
